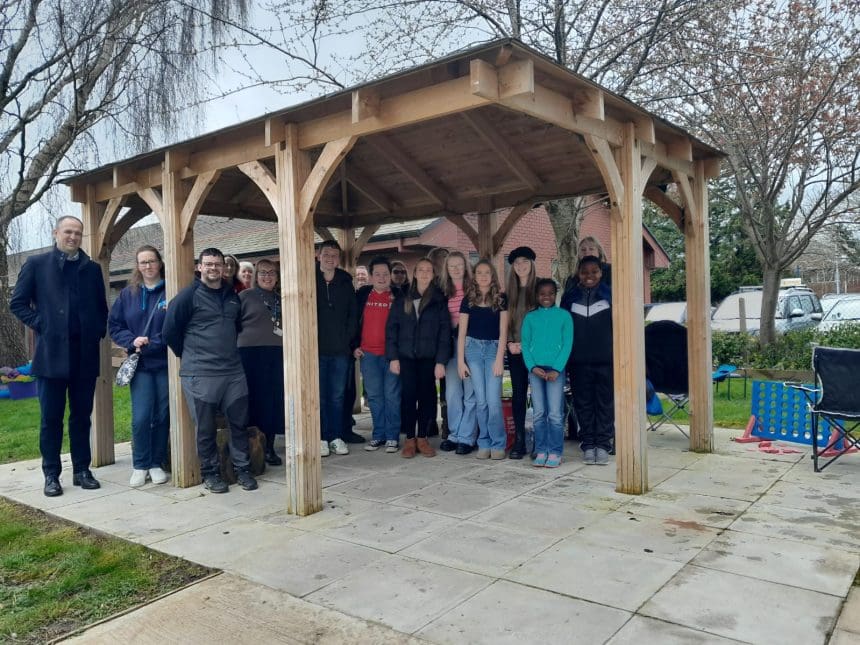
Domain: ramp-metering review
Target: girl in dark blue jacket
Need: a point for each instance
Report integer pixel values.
(136, 320)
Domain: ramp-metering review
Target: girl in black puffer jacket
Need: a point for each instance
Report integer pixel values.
(418, 344)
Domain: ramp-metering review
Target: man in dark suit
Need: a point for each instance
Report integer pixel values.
(61, 296)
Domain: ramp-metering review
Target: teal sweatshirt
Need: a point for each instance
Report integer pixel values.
(547, 338)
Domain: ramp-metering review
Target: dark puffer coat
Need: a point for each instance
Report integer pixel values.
(425, 336)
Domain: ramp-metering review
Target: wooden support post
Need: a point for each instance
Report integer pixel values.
(623, 179)
(487, 225)
(298, 296)
(346, 239)
(697, 250)
(179, 272)
(102, 432)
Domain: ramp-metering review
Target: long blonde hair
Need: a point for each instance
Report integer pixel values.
(473, 293)
(412, 293)
(521, 299)
(447, 283)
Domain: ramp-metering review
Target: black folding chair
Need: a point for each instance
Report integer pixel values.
(835, 401)
(666, 367)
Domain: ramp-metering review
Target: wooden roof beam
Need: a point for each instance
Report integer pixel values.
(404, 163)
(502, 148)
(363, 184)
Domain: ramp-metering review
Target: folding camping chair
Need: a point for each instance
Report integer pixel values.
(835, 401)
(666, 368)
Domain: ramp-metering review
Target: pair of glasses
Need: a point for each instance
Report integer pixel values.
(146, 263)
(266, 274)
(212, 265)
(396, 272)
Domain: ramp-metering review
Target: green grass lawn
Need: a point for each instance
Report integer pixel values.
(728, 413)
(19, 425)
(56, 577)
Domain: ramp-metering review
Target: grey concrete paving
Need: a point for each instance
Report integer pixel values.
(736, 546)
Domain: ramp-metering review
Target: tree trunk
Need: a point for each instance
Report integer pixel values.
(566, 217)
(770, 294)
(13, 351)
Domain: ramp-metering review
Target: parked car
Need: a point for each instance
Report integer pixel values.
(844, 311)
(674, 311)
(796, 308)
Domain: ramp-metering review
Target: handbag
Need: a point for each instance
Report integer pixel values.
(129, 366)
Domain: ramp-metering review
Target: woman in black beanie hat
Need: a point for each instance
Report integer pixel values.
(521, 300)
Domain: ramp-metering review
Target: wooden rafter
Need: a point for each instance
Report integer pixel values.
(323, 232)
(263, 177)
(332, 156)
(108, 218)
(120, 227)
(605, 161)
(405, 164)
(153, 200)
(367, 187)
(504, 150)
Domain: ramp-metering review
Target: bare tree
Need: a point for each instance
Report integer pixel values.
(621, 44)
(71, 68)
(775, 85)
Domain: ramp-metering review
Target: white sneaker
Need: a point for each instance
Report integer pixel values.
(339, 447)
(158, 476)
(391, 446)
(138, 478)
(324, 451)
(375, 444)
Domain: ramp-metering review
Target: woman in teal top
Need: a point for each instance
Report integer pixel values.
(547, 338)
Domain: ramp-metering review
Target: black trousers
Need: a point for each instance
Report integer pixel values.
(206, 395)
(264, 371)
(519, 389)
(349, 395)
(594, 400)
(52, 404)
(418, 394)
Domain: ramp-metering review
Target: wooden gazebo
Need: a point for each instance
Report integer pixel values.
(492, 127)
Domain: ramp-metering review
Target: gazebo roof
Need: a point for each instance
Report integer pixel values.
(440, 138)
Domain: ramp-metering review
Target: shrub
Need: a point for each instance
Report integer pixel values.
(731, 349)
(845, 335)
(791, 351)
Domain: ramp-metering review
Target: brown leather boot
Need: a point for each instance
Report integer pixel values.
(425, 448)
(408, 451)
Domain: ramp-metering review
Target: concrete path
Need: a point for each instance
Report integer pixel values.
(737, 546)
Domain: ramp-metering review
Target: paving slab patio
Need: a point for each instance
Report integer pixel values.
(735, 546)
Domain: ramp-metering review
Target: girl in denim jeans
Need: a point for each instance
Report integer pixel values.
(547, 336)
(480, 355)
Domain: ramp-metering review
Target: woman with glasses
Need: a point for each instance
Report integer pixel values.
(261, 349)
(135, 323)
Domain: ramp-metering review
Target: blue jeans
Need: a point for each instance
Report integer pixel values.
(480, 356)
(150, 418)
(548, 405)
(333, 370)
(382, 389)
(460, 399)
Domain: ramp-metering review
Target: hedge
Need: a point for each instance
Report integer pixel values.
(791, 351)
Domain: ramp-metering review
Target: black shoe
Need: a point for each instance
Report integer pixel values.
(518, 450)
(215, 484)
(447, 446)
(272, 458)
(246, 480)
(85, 480)
(463, 449)
(353, 437)
(52, 486)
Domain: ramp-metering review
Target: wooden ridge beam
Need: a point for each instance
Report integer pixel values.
(505, 151)
(404, 163)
